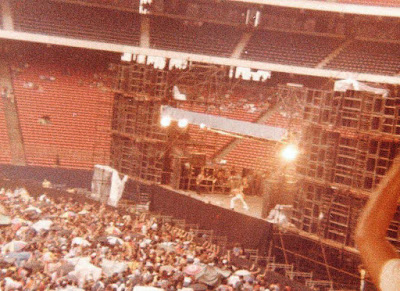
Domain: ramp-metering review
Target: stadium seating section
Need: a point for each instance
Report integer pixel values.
(381, 30)
(1, 18)
(252, 154)
(77, 108)
(262, 155)
(129, 4)
(368, 57)
(212, 142)
(394, 3)
(289, 48)
(206, 141)
(77, 21)
(201, 38)
(297, 49)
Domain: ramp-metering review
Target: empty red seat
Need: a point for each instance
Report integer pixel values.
(5, 154)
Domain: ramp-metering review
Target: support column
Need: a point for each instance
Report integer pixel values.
(8, 22)
(11, 116)
(14, 133)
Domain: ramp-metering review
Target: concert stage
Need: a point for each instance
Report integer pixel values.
(223, 200)
(211, 212)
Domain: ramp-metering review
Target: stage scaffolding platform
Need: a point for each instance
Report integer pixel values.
(211, 212)
(348, 141)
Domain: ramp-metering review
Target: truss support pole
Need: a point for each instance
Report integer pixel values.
(328, 271)
(283, 247)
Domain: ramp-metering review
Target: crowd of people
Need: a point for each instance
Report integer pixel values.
(58, 243)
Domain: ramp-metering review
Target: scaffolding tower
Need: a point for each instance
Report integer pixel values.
(348, 143)
(138, 142)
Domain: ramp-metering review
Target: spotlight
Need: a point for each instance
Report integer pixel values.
(290, 152)
(183, 123)
(165, 121)
(202, 125)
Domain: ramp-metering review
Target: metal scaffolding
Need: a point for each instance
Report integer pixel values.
(138, 142)
(348, 143)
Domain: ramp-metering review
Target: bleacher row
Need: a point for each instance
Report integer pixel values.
(5, 154)
(63, 19)
(1, 18)
(289, 48)
(206, 141)
(135, 4)
(297, 49)
(251, 154)
(212, 142)
(204, 38)
(116, 3)
(370, 57)
(262, 155)
(394, 3)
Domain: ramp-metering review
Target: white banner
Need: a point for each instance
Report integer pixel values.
(244, 128)
(351, 84)
(107, 184)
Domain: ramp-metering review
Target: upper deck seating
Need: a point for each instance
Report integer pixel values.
(394, 3)
(368, 57)
(289, 48)
(68, 20)
(201, 38)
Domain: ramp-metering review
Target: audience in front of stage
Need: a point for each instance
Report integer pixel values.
(61, 244)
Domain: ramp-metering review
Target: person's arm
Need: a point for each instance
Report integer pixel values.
(371, 230)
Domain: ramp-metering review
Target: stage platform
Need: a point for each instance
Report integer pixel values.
(223, 200)
(212, 212)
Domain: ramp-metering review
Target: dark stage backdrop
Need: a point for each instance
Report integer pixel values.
(251, 232)
(68, 177)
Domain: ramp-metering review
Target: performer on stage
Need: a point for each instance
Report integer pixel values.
(237, 186)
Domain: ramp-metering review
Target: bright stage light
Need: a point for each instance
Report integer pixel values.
(290, 152)
(202, 125)
(183, 123)
(165, 121)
